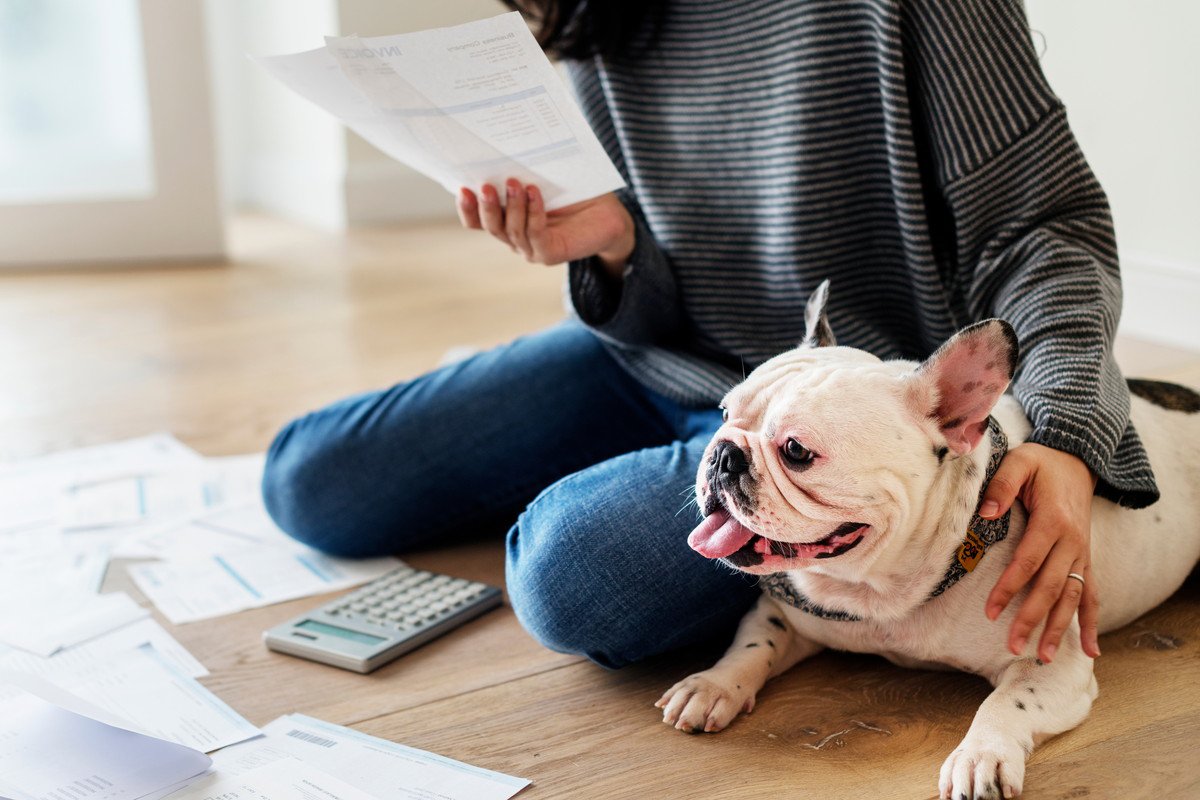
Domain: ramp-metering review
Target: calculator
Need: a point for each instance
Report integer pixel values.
(384, 619)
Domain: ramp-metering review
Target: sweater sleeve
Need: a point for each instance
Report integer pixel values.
(1034, 241)
(641, 308)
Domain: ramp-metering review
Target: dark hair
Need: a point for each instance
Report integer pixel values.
(581, 29)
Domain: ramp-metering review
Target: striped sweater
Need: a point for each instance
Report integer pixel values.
(911, 151)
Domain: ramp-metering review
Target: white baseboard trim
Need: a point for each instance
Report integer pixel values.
(388, 191)
(1162, 300)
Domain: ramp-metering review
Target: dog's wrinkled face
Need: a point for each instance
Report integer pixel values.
(812, 462)
(827, 455)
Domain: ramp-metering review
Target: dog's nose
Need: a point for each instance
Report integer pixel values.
(730, 459)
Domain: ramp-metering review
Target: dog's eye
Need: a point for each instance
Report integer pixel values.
(724, 414)
(797, 454)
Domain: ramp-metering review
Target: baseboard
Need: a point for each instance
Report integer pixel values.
(1162, 300)
(388, 191)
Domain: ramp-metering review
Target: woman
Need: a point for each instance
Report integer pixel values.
(910, 151)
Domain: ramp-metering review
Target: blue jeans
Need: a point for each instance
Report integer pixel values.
(596, 470)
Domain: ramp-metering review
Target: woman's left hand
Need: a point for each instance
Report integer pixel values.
(1056, 489)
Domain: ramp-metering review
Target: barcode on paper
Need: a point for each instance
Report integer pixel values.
(308, 737)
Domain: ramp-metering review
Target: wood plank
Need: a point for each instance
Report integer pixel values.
(262, 685)
(581, 731)
(224, 354)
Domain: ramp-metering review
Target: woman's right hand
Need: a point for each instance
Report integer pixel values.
(599, 227)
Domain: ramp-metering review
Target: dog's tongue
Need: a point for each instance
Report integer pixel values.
(719, 535)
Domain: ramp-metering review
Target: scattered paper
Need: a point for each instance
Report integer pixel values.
(229, 530)
(72, 662)
(51, 564)
(465, 105)
(50, 752)
(147, 691)
(190, 589)
(286, 779)
(46, 621)
(376, 766)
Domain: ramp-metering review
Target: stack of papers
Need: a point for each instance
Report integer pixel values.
(296, 750)
(139, 676)
(47, 751)
(44, 621)
(468, 105)
(63, 516)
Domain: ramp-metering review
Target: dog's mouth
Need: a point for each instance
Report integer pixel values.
(722, 536)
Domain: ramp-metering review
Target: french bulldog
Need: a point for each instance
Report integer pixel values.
(851, 485)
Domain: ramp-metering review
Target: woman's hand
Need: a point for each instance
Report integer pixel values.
(1056, 488)
(599, 227)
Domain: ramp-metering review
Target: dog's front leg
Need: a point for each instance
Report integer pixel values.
(765, 645)
(1032, 702)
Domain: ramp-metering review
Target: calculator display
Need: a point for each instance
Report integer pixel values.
(333, 630)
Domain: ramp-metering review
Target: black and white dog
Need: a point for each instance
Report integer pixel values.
(850, 484)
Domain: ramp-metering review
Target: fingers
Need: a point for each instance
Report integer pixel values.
(491, 214)
(1004, 487)
(468, 209)
(535, 224)
(520, 223)
(1052, 569)
(514, 218)
(1061, 614)
(1089, 616)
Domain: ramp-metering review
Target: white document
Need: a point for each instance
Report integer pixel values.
(147, 497)
(50, 564)
(236, 528)
(50, 752)
(376, 766)
(467, 105)
(190, 589)
(45, 622)
(73, 663)
(286, 779)
(147, 691)
(31, 490)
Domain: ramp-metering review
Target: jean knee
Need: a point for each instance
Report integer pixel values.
(535, 590)
(557, 594)
(302, 497)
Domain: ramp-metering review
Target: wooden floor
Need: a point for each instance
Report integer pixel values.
(222, 355)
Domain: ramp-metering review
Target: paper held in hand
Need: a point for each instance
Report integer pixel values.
(467, 105)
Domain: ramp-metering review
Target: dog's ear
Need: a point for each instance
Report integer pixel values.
(817, 332)
(960, 383)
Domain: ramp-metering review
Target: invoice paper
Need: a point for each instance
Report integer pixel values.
(471, 104)
(189, 589)
(375, 766)
(44, 622)
(151, 694)
(82, 658)
(286, 779)
(151, 499)
(31, 490)
(218, 533)
(50, 752)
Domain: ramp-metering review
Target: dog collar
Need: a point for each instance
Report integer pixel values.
(981, 534)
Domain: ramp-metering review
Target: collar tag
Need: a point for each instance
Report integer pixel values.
(971, 550)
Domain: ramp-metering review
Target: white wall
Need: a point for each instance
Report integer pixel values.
(1129, 74)
(283, 155)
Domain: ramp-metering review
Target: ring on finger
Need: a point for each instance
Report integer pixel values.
(1077, 577)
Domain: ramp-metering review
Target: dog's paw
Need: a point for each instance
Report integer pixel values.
(704, 703)
(982, 769)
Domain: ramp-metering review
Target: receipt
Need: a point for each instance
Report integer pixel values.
(467, 105)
